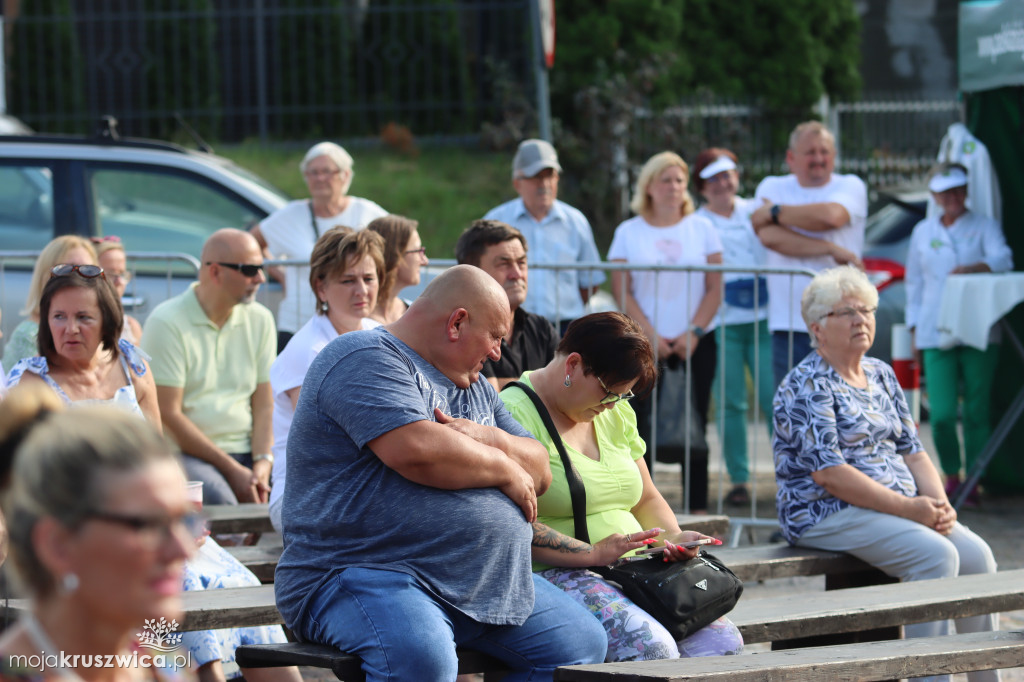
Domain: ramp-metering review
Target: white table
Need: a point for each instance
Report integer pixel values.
(973, 304)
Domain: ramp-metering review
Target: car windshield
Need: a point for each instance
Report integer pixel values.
(893, 222)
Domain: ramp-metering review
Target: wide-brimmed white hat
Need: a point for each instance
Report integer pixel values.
(719, 165)
(947, 179)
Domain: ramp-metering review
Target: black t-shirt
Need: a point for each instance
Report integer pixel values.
(531, 346)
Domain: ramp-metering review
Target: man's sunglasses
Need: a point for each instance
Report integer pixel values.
(87, 271)
(247, 269)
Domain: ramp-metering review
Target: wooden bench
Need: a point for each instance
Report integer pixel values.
(890, 660)
(238, 518)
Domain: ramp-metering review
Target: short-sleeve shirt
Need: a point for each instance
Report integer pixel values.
(613, 483)
(344, 507)
(740, 248)
(669, 299)
(217, 368)
(784, 292)
(531, 346)
(821, 421)
(291, 233)
(563, 236)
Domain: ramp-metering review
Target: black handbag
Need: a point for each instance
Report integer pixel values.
(684, 596)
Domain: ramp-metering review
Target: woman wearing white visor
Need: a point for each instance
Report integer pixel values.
(955, 242)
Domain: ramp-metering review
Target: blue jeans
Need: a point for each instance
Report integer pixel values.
(739, 352)
(782, 360)
(403, 633)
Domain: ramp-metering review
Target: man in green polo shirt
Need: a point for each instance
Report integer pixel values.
(211, 348)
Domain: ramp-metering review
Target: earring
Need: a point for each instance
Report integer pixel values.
(323, 306)
(69, 583)
(568, 381)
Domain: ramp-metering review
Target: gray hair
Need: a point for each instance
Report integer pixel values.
(830, 287)
(815, 127)
(54, 464)
(336, 153)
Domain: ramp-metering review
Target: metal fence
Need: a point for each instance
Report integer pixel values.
(235, 69)
(887, 139)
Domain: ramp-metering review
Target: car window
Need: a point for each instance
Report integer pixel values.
(891, 224)
(26, 207)
(163, 210)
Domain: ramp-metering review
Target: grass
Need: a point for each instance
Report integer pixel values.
(443, 188)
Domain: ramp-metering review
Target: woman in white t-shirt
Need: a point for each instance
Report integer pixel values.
(291, 232)
(675, 309)
(743, 335)
(345, 272)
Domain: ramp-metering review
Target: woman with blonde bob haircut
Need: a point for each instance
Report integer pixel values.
(676, 309)
(67, 248)
(99, 527)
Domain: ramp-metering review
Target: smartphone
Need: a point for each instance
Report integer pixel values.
(687, 545)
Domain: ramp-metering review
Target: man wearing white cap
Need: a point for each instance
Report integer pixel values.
(957, 241)
(811, 219)
(556, 232)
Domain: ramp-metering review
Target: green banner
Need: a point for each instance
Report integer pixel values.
(991, 44)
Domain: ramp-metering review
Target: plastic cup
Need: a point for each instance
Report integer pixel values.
(194, 491)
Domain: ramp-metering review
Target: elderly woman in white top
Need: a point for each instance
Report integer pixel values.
(851, 471)
(345, 273)
(675, 309)
(956, 242)
(292, 231)
(744, 334)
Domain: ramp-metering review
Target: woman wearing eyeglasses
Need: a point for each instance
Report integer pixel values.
(64, 249)
(851, 471)
(82, 356)
(290, 232)
(404, 255)
(111, 257)
(98, 530)
(603, 359)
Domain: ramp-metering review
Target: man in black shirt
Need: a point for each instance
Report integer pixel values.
(500, 250)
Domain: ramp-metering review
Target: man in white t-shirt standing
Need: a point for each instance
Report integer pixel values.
(810, 219)
(291, 232)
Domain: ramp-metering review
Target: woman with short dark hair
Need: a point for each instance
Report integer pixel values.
(601, 362)
(82, 356)
(404, 255)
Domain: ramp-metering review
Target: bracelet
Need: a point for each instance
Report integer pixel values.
(265, 456)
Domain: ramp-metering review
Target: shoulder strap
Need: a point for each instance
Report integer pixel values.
(312, 220)
(577, 491)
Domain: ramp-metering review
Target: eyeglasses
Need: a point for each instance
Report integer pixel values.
(121, 277)
(613, 398)
(156, 529)
(849, 313)
(321, 173)
(65, 269)
(247, 269)
(422, 251)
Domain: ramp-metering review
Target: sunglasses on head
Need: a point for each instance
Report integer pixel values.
(247, 269)
(87, 271)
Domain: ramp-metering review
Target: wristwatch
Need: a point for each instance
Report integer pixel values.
(775, 213)
(697, 331)
(265, 456)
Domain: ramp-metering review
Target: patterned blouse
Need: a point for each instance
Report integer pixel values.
(821, 421)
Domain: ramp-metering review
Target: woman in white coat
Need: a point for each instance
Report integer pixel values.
(955, 242)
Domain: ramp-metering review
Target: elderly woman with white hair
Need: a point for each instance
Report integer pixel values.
(291, 232)
(851, 471)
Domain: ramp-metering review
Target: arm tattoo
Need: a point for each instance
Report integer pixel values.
(546, 536)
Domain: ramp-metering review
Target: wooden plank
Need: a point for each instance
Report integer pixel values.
(238, 518)
(260, 559)
(868, 661)
(344, 666)
(709, 524)
(766, 562)
(229, 607)
(864, 608)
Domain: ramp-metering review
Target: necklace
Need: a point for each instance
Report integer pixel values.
(40, 639)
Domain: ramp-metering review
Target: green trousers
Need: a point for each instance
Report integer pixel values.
(739, 355)
(945, 371)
